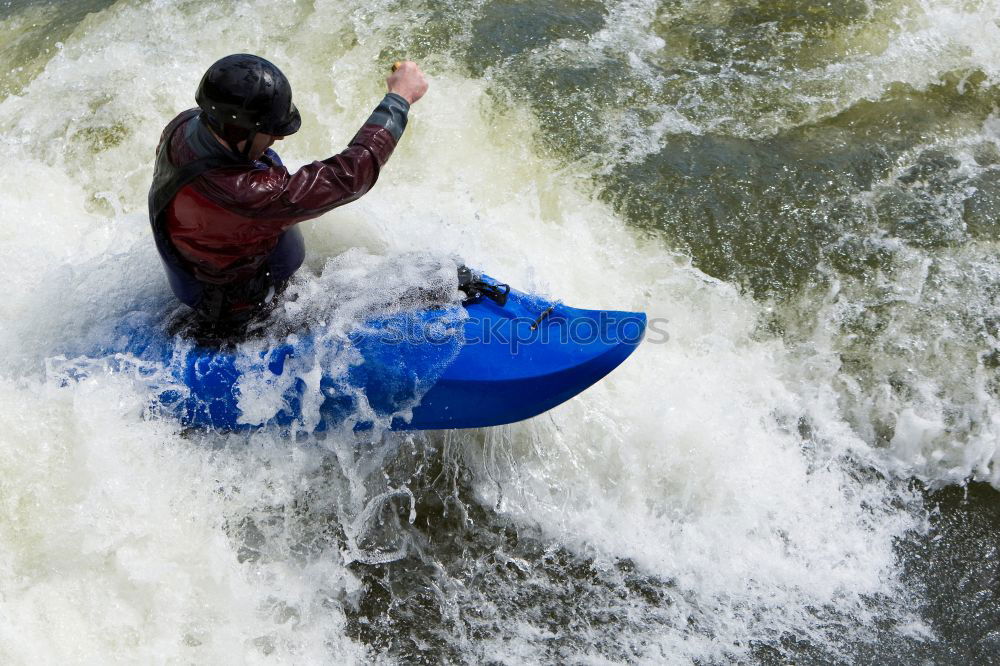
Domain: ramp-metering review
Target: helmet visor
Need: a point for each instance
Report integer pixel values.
(290, 124)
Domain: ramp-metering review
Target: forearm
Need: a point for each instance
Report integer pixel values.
(345, 177)
(282, 199)
(391, 113)
(342, 178)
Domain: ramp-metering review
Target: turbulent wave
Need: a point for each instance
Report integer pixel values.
(801, 194)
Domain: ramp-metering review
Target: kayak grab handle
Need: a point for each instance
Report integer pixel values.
(545, 313)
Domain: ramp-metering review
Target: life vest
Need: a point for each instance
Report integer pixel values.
(227, 302)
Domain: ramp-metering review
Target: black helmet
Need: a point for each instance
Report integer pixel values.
(245, 92)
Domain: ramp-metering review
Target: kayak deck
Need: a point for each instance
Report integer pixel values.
(483, 364)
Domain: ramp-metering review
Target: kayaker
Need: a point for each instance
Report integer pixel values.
(223, 207)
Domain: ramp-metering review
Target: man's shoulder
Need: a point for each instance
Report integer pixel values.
(243, 186)
(176, 133)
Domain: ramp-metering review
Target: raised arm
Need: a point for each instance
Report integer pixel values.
(281, 199)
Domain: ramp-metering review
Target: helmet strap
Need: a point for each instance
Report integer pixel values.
(231, 135)
(249, 145)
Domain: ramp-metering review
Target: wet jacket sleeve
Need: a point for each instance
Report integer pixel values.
(280, 199)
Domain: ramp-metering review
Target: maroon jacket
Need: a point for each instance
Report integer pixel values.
(227, 220)
(223, 225)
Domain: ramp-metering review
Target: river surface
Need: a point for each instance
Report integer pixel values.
(804, 194)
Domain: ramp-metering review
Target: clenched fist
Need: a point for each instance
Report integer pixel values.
(407, 81)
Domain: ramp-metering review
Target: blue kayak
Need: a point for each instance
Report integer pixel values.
(485, 362)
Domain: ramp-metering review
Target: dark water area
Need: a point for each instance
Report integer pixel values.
(589, 605)
(489, 577)
(771, 212)
(33, 35)
(957, 566)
